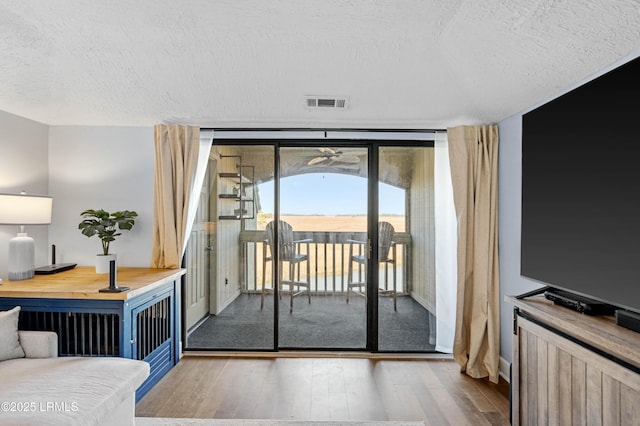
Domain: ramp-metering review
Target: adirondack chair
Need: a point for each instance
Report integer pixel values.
(386, 255)
(294, 283)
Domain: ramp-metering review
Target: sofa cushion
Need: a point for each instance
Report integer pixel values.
(9, 341)
(39, 344)
(67, 390)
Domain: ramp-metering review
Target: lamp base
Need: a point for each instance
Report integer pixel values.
(22, 254)
(20, 276)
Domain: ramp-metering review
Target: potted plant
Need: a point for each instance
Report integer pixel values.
(106, 226)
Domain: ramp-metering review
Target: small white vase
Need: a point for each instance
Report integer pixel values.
(103, 262)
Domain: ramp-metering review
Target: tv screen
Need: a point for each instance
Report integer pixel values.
(581, 190)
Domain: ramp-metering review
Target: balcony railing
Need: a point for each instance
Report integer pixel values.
(329, 261)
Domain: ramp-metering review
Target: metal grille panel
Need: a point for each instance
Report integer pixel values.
(153, 328)
(79, 334)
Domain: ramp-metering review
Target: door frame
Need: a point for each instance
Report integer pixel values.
(198, 256)
(371, 311)
(373, 145)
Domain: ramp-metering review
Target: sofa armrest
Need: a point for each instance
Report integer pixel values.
(39, 344)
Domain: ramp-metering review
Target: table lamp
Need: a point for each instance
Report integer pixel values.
(23, 210)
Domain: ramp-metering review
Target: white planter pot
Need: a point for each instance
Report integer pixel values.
(102, 263)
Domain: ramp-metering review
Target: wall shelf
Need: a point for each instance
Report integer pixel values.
(244, 191)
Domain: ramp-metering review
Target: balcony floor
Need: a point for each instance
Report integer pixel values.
(327, 323)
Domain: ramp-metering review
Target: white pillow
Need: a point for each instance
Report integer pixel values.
(9, 341)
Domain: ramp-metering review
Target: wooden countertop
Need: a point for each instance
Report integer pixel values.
(600, 331)
(83, 283)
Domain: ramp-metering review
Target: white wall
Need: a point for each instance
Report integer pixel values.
(509, 208)
(509, 204)
(109, 168)
(23, 166)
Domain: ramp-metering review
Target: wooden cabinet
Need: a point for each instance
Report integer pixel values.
(142, 323)
(572, 369)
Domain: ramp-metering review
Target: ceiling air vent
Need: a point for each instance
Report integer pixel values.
(330, 102)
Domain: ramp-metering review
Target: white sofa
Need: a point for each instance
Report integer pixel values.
(40, 388)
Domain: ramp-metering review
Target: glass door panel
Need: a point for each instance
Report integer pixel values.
(308, 273)
(322, 240)
(406, 302)
(241, 314)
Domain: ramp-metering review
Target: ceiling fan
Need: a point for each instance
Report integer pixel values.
(328, 154)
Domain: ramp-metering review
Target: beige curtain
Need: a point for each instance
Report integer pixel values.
(177, 148)
(473, 153)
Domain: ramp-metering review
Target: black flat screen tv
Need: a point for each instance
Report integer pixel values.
(581, 190)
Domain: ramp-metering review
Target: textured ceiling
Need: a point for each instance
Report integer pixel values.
(235, 63)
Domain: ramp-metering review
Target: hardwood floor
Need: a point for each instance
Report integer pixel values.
(341, 388)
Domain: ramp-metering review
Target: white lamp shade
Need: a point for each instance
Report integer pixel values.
(25, 209)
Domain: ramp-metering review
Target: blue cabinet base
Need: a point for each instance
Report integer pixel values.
(145, 327)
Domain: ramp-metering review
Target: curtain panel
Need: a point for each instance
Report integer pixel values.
(446, 246)
(176, 163)
(473, 154)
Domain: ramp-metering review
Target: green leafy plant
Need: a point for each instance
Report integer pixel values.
(106, 225)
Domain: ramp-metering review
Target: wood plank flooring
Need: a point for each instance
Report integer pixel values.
(323, 388)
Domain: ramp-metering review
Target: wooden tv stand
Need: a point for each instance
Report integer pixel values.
(571, 368)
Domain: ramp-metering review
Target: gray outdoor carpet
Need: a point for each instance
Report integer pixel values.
(327, 323)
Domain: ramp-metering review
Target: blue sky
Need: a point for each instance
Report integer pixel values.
(328, 194)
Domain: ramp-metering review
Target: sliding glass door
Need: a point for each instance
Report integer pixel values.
(323, 198)
(406, 267)
(241, 310)
(325, 245)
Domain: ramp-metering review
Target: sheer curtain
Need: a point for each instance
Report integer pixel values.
(446, 244)
(473, 152)
(180, 163)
